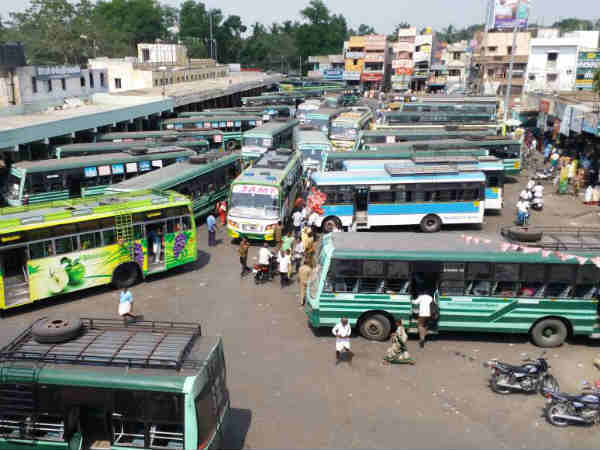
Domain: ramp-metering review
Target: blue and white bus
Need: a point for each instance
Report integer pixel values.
(397, 194)
(492, 167)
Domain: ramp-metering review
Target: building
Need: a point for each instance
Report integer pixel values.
(491, 60)
(354, 59)
(156, 65)
(553, 59)
(328, 67)
(402, 59)
(365, 60)
(457, 58)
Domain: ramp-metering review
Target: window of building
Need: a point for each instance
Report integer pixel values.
(146, 54)
(552, 57)
(91, 80)
(34, 85)
(117, 83)
(63, 84)
(531, 77)
(49, 85)
(102, 79)
(454, 73)
(456, 56)
(492, 49)
(82, 81)
(155, 83)
(551, 77)
(509, 50)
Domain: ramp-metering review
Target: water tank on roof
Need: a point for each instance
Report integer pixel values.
(12, 55)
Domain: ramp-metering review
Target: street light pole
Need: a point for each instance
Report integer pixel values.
(512, 62)
(211, 33)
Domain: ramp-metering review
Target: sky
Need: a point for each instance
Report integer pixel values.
(382, 14)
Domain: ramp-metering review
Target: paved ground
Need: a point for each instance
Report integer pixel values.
(287, 392)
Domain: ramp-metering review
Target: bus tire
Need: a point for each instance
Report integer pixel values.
(330, 223)
(375, 327)
(54, 330)
(525, 234)
(431, 224)
(230, 145)
(126, 275)
(550, 332)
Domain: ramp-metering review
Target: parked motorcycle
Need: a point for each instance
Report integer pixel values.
(564, 409)
(262, 274)
(530, 377)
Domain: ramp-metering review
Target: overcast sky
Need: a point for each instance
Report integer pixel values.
(382, 14)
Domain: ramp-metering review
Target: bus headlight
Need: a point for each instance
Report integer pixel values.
(233, 224)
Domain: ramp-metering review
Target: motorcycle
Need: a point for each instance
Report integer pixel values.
(562, 409)
(537, 203)
(530, 377)
(262, 274)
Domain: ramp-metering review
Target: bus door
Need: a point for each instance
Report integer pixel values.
(425, 279)
(74, 185)
(14, 276)
(155, 235)
(361, 207)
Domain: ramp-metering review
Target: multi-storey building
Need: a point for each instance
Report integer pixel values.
(402, 59)
(365, 60)
(458, 61)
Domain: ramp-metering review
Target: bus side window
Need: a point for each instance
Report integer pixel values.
(109, 237)
(561, 278)
(506, 280)
(186, 223)
(533, 277)
(397, 278)
(372, 280)
(479, 279)
(138, 232)
(588, 277)
(41, 249)
(90, 240)
(173, 225)
(452, 279)
(347, 273)
(66, 245)
(205, 416)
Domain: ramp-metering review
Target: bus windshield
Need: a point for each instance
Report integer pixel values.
(311, 153)
(347, 132)
(255, 201)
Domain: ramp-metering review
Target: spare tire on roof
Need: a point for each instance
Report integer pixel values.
(57, 329)
(525, 234)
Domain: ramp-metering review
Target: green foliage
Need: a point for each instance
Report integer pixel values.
(596, 82)
(364, 30)
(574, 24)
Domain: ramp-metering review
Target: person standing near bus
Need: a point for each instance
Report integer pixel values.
(423, 301)
(284, 266)
(243, 252)
(211, 223)
(304, 273)
(297, 219)
(342, 332)
(223, 211)
(277, 234)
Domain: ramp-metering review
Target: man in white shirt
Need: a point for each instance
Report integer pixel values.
(264, 257)
(342, 332)
(284, 266)
(312, 220)
(424, 303)
(530, 185)
(525, 195)
(538, 190)
(522, 211)
(297, 219)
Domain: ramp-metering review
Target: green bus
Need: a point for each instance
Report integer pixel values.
(267, 112)
(372, 278)
(231, 126)
(393, 135)
(149, 385)
(345, 127)
(59, 247)
(506, 149)
(270, 99)
(313, 145)
(465, 108)
(206, 179)
(270, 135)
(265, 194)
(32, 182)
(322, 118)
(97, 148)
(214, 137)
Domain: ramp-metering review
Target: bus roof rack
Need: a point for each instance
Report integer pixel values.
(554, 238)
(395, 170)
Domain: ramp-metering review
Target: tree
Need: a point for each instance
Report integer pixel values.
(596, 82)
(573, 24)
(364, 30)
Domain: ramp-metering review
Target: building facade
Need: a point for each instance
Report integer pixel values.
(328, 67)
(457, 58)
(365, 61)
(402, 59)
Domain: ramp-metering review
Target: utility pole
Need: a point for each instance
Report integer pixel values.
(512, 62)
(484, 44)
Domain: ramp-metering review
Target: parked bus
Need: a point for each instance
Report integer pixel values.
(268, 136)
(147, 385)
(307, 106)
(345, 128)
(506, 149)
(59, 247)
(32, 182)
(270, 99)
(443, 108)
(459, 99)
(322, 118)
(393, 135)
(265, 194)
(395, 118)
(231, 126)
(268, 112)
(206, 179)
(370, 278)
(428, 196)
(313, 145)
(214, 137)
(334, 161)
(491, 166)
(97, 148)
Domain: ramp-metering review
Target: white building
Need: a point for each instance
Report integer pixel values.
(552, 64)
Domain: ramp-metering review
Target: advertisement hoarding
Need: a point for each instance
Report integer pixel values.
(587, 64)
(351, 76)
(507, 13)
(372, 77)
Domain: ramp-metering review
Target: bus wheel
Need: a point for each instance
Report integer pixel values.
(375, 327)
(330, 224)
(125, 275)
(431, 224)
(549, 333)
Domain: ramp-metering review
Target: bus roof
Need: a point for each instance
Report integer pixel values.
(463, 162)
(205, 118)
(152, 356)
(457, 99)
(134, 134)
(311, 136)
(270, 128)
(396, 174)
(424, 247)
(177, 173)
(117, 146)
(96, 160)
(426, 132)
(270, 168)
(326, 112)
(18, 218)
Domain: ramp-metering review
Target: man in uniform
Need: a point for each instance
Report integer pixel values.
(277, 234)
(243, 251)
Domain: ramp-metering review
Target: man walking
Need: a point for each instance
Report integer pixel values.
(126, 306)
(304, 273)
(284, 267)
(211, 222)
(342, 332)
(243, 252)
(297, 219)
(424, 302)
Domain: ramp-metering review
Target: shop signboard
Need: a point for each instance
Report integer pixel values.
(404, 71)
(587, 64)
(565, 125)
(333, 74)
(505, 14)
(421, 56)
(372, 77)
(396, 63)
(355, 55)
(47, 73)
(577, 120)
(351, 76)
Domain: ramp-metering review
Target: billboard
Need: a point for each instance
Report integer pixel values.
(587, 65)
(508, 13)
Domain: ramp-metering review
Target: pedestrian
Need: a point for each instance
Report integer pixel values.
(287, 241)
(284, 267)
(297, 220)
(243, 252)
(525, 194)
(211, 223)
(126, 307)
(304, 273)
(398, 352)
(522, 212)
(342, 332)
(277, 233)
(309, 248)
(223, 211)
(264, 258)
(424, 302)
(313, 219)
(298, 254)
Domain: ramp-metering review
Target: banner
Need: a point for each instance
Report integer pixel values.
(505, 14)
(587, 64)
(565, 125)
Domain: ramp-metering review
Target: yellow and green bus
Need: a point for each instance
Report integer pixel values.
(372, 278)
(109, 385)
(59, 247)
(346, 127)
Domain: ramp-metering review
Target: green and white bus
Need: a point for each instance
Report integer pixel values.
(32, 182)
(345, 127)
(149, 386)
(214, 137)
(97, 148)
(393, 136)
(267, 112)
(313, 145)
(59, 247)
(322, 118)
(371, 278)
(206, 179)
(395, 118)
(231, 126)
(270, 99)
(265, 194)
(268, 136)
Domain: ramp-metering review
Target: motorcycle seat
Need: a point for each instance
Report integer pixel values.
(524, 369)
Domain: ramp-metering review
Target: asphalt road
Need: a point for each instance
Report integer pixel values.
(287, 391)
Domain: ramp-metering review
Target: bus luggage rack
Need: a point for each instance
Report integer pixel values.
(399, 170)
(554, 238)
(108, 342)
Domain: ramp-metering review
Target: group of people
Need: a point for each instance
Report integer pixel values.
(532, 196)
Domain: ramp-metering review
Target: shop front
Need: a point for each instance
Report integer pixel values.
(372, 81)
